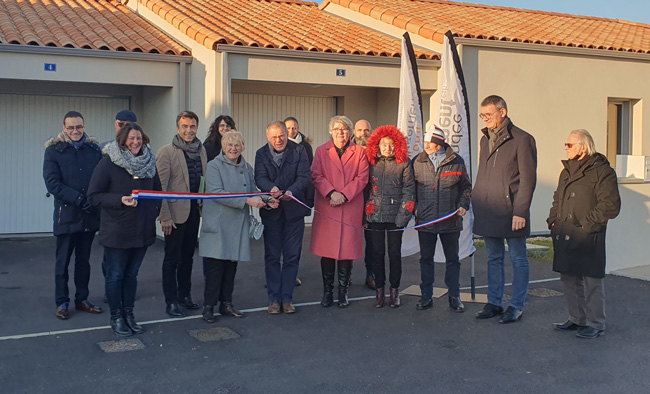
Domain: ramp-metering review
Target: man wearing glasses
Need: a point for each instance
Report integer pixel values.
(507, 174)
(70, 159)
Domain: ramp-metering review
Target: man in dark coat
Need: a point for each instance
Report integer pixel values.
(282, 168)
(69, 161)
(442, 186)
(503, 192)
(586, 198)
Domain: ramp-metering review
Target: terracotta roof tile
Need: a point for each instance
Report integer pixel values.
(90, 24)
(283, 24)
(433, 18)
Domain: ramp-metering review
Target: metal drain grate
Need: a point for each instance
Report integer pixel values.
(214, 334)
(123, 345)
(542, 292)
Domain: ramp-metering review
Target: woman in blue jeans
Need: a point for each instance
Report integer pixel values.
(128, 226)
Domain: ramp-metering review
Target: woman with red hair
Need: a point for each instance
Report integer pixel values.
(389, 206)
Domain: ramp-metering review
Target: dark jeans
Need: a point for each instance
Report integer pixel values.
(378, 253)
(80, 243)
(427, 265)
(282, 247)
(219, 280)
(180, 246)
(370, 271)
(122, 266)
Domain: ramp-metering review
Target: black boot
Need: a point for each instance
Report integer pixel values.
(327, 269)
(345, 270)
(130, 321)
(118, 324)
(208, 314)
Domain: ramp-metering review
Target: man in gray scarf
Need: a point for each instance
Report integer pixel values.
(180, 166)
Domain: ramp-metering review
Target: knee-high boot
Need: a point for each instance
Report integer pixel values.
(345, 269)
(327, 268)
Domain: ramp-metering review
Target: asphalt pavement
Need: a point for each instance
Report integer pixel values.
(317, 350)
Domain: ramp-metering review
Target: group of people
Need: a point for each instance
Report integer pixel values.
(360, 183)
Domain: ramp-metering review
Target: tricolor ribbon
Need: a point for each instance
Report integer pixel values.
(159, 195)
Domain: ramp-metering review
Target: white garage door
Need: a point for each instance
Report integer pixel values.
(26, 122)
(253, 112)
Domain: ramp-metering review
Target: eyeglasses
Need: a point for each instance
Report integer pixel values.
(340, 131)
(72, 128)
(225, 126)
(570, 145)
(488, 116)
(122, 123)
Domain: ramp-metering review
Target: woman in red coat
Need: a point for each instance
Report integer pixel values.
(339, 173)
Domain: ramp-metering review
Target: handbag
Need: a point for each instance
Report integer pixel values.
(256, 228)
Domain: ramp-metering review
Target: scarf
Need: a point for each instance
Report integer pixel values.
(574, 165)
(298, 138)
(63, 137)
(193, 149)
(141, 166)
(341, 151)
(495, 134)
(277, 156)
(437, 158)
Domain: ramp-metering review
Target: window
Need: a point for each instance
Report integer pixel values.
(621, 126)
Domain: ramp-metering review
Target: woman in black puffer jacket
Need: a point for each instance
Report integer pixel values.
(389, 206)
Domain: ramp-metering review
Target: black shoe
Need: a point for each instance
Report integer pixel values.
(118, 324)
(589, 332)
(174, 310)
(456, 305)
(188, 303)
(511, 315)
(566, 326)
(489, 311)
(425, 302)
(228, 309)
(129, 317)
(208, 314)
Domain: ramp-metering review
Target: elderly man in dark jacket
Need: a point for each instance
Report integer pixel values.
(282, 168)
(586, 198)
(503, 192)
(442, 186)
(69, 161)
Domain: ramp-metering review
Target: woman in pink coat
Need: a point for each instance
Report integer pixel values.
(339, 173)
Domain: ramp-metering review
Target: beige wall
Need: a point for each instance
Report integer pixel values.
(549, 95)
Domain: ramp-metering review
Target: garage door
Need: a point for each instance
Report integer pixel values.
(253, 112)
(26, 122)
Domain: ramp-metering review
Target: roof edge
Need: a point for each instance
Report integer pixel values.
(96, 53)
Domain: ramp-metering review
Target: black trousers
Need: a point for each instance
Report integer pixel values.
(219, 280)
(427, 266)
(180, 246)
(378, 253)
(80, 244)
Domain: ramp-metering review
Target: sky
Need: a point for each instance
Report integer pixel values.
(631, 10)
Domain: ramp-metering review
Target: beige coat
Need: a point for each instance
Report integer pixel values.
(174, 177)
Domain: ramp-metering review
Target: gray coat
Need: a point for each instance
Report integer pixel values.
(225, 227)
(505, 183)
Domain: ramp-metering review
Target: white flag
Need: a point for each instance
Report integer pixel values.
(409, 121)
(453, 118)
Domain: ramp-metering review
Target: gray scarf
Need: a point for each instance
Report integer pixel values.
(193, 149)
(141, 166)
(277, 157)
(298, 138)
(495, 134)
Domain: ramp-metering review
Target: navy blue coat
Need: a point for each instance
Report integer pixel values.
(294, 175)
(67, 172)
(123, 227)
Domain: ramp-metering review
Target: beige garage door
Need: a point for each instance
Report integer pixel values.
(26, 122)
(252, 112)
